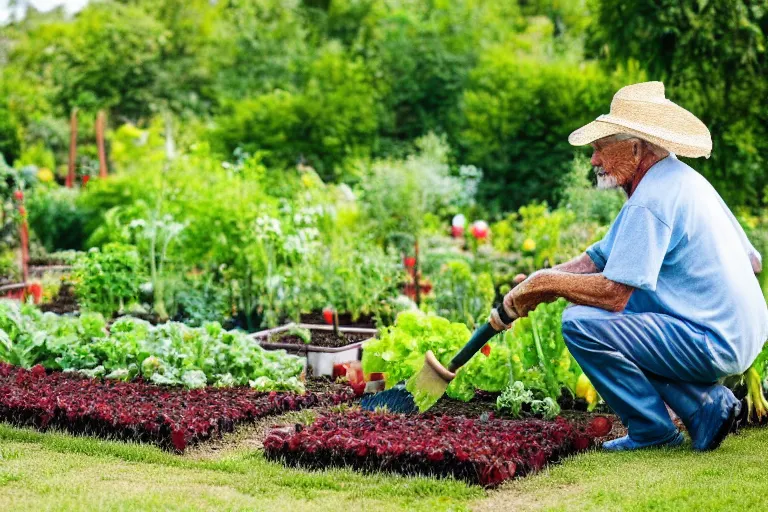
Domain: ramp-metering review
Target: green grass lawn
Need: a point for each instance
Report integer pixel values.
(60, 472)
(734, 477)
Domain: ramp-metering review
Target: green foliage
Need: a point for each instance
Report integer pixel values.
(56, 219)
(171, 354)
(540, 360)
(516, 396)
(461, 295)
(352, 277)
(712, 58)
(10, 143)
(332, 120)
(399, 195)
(532, 352)
(517, 114)
(108, 279)
(588, 203)
(199, 300)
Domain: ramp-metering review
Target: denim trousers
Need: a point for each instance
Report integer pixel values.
(640, 361)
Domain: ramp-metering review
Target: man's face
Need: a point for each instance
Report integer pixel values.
(615, 162)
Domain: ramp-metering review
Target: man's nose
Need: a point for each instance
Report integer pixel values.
(595, 161)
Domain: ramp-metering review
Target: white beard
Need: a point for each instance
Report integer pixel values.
(605, 181)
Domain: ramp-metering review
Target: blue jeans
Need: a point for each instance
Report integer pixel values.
(639, 361)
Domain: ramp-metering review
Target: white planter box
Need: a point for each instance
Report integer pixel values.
(319, 359)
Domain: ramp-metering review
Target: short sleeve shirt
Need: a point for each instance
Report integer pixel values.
(676, 242)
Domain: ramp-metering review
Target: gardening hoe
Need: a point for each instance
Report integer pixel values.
(426, 387)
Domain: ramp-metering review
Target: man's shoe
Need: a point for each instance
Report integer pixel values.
(626, 443)
(714, 421)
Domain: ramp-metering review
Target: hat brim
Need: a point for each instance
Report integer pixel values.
(593, 131)
(598, 129)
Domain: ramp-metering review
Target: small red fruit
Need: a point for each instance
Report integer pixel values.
(480, 230)
(486, 350)
(328, 315)
(18, 195)
(600, 426)
(22, 211)
(409, 262)
(86, 178)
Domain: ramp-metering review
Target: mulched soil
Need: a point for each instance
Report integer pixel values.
(64, 302)
(345, 320)
(323, 339)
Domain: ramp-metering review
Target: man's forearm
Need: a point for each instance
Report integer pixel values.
(591, 289)
(582, 264)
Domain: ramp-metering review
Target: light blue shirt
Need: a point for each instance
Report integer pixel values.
(677, 243)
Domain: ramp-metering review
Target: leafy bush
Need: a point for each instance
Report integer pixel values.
(108, 279)
(56, 219)
(517, 114)
(333, 119)
(399, 196)
(462, 296)
(10, 143)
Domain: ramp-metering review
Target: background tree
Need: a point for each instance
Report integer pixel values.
(711, 56)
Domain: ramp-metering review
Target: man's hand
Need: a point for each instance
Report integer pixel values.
(495, 320)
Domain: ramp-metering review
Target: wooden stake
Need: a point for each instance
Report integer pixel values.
(72, 148)
(416, 282)
(24, 234)
(100, 127)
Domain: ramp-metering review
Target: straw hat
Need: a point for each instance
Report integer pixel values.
(643, 111)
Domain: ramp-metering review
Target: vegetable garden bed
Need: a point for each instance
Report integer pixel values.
(481, 452)
(169, 417)
(321, 354)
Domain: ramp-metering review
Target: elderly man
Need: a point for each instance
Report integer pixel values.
(667, 302)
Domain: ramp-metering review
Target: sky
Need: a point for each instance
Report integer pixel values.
(41, 5)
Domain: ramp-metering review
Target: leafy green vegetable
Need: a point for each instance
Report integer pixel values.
(546, 408)
(532, 352)
(170, 354)
(513, 398)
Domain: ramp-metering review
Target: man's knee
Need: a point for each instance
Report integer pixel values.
(580, 324)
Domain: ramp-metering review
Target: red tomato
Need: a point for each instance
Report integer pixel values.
(409, 262)
(328, 315)
(486, 350)
(600, 426)
(18, 195)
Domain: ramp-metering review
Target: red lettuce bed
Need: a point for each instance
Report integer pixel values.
(170, 417)
(481, 452)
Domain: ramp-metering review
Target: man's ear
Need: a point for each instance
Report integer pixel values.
(636, 149)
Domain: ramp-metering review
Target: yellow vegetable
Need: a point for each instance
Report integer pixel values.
(585, 390)
(529, 245)
(582, 386)
(45, 175)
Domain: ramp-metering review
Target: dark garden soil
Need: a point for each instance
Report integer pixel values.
(327, 339)
(46, 261)
(64, 302)
(345, 320)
